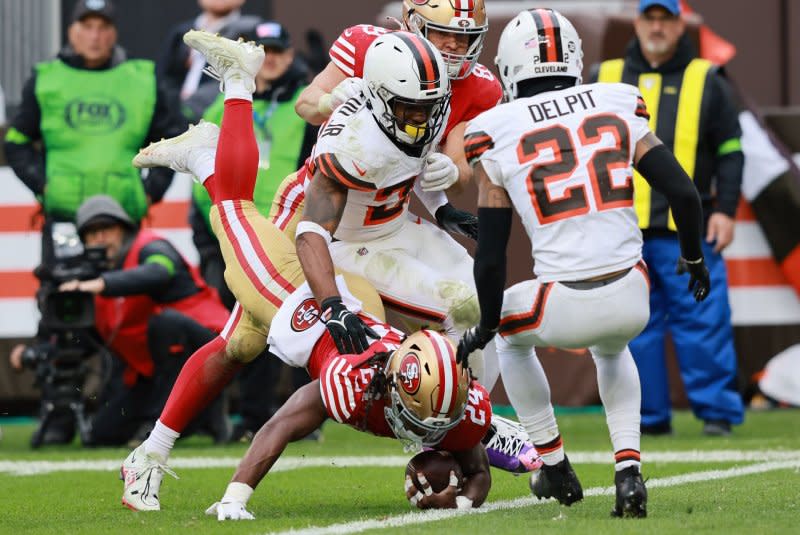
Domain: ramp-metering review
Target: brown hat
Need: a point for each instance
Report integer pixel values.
(100, 8)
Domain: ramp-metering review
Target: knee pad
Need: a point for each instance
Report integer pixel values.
(461, 301)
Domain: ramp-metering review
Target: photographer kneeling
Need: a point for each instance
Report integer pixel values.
(152, 310)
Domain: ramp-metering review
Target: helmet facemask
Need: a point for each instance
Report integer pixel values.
(459, 66)
(409, 121)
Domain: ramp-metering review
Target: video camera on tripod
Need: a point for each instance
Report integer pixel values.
(65, 340)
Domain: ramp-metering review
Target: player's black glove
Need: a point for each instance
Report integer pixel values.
(457, 221)
(699, 279)
(349, 333)
(474, 338)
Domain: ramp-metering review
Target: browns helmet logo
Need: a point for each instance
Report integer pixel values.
(409, 373)
(305, 315)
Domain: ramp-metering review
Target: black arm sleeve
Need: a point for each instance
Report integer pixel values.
(730, 169)
(146, 278)
(489, 270)
(24, 159)
(724, 126)
(166, 122)
(28, 164)
(663, 172)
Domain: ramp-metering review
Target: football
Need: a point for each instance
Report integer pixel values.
(436, 465)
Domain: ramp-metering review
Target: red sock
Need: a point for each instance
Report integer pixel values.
(236, 164)
(202, 378)
(211, 185)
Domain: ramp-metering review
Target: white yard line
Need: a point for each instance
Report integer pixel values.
(435, 516)
(21, 468)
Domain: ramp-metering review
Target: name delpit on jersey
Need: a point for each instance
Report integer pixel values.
(548, 110)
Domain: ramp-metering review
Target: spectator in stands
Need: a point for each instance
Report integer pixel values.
(284, 142)
(693, 112)
(83, 116)
(152, 310)
(182, 69)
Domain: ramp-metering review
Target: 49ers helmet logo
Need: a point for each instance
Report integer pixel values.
(305, 315)
(409, 373)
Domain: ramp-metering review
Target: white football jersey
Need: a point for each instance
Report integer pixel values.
(565, 157)
(352, 150)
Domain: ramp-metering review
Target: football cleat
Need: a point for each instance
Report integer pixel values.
(174, 152)
(558, 481)
(509, 447)
(141, 474)
(227, 59)
(631, 494)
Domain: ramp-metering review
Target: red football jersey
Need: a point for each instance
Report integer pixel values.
(472, 95)
(344, 380)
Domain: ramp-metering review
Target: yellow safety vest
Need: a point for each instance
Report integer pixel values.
(687, 99)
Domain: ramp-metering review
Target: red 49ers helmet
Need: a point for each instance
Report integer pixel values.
(427, 388)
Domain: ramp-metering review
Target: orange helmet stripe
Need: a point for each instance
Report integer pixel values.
(424, 56)
(549, 35)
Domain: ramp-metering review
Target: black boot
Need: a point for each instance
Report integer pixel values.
(558, 481)
(631, 494)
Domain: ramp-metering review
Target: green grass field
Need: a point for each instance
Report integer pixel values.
(747, 483)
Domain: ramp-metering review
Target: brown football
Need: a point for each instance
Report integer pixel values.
(436, 465)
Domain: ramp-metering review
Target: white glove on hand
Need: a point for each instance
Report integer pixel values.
(347, 89)
(439, 174)
(230, 511)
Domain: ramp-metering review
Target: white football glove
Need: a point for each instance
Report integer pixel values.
(230, 511)
(439, 174)
(347, 89)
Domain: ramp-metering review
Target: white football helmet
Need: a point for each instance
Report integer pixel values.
(460, 17)
(407, 87)
(538, 43)
(427, 388)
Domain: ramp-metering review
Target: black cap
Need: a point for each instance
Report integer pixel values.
(271, 34)
(101, 8)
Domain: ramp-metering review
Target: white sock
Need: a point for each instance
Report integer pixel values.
(201, 163)
(529, 393)
(161, 441)
(620, 391)
(235, 88)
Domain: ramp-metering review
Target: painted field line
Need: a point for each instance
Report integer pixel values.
(22, 468)
(424, 517)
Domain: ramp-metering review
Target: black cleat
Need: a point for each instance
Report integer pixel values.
(558, 481)
(717, 428)
(631, 494)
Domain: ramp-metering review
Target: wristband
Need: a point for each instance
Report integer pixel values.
(239, 492)
(693, 262)
(462, 502)
(314, 228)
(325, 105)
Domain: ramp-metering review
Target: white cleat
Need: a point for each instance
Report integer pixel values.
(228, 59)
(174, 152)
(142, 475)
